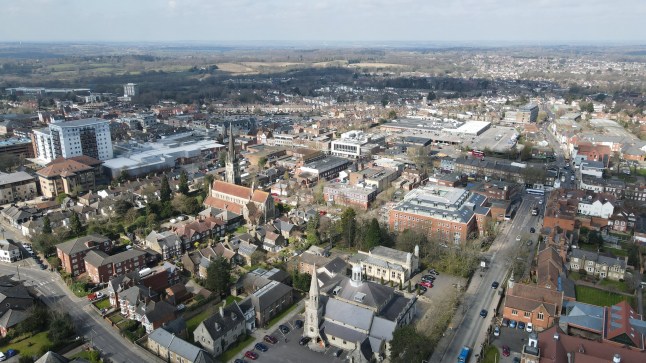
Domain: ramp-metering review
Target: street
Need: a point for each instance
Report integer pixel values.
(56, 295)
(472, 328)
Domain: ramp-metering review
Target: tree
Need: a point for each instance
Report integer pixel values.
(431, 96)
(408, 239)
(408, 345)
(60, 198)
(183, 183)
(222, 158)
(185, 204)
(392, 114)
(206, 186)
(121, 207)
(301, 281)
(286, 175)
(348, 226)
(262, 162)
(257, 257)
(60, 328)
(131, 216)
(165, 193)
(47, 225)
(526, 153)
(372, 235)
(218, 276)
(318, 192)
(76, 227)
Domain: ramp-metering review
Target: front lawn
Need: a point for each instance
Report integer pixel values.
(116, 318)
(31, 346)
(617, 285)
(103, 304)
(235, 349)
(593, 296)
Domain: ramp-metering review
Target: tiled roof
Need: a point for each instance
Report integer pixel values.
(62, 167)
(79, 244)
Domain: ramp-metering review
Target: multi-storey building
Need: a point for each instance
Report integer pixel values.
(130, 90)
(9, 252)
(326, 168)
(17, 147)
(446, 213)
(101, 267)
(387, 263)
(89, 137)
(72, 253)
(75, 175)
(355, 144)
(598, 265)
(350, 196)
(501, 170)
(173, 349)
(16, 186)
(600, 205)
(527, 113)
(166, 243)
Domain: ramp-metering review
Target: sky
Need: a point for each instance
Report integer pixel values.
(231, 21)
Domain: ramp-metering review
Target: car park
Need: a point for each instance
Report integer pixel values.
(269, 339)
(304, 340)
(521, 325)
(483, 313)
(494, 285)
(428, 278)
(298, 324)
(283, 328)
(496, 331)
(422, 289)
(512, 324)
(261, 347)
(506, 351)
(251, 355)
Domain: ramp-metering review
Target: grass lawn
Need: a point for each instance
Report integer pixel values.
(234, 350)
(589, 247)
(593, 296)
(87, 355)
(616, 251)
(193, 322)
(103, 304)
(574, 275)
(641, 172)
(116, 318)
(281, 315)
(232, 298)
(491, 355)
(620, 286)
(241, 229)
(30, 346)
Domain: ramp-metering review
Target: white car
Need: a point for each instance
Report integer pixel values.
(518, 238)
(2, 356)
(529, 327)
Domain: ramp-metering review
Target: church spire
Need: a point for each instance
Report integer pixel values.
(232, 169)
(313, 311)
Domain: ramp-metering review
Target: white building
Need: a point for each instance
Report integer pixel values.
(355, 144)
(596, 207)
(90, 137)
(9, 252)
(130, 89)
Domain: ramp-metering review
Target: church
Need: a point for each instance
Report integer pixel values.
(256, 206)
(355, 315)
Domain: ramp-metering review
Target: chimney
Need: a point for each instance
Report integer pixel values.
(222, 310)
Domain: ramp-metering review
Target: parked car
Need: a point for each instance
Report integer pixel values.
(494, 285)
(505, 322)
(251, 355)
(496, 331)
(483, 313)
(239, 361)
(298, 324)
(529, 328)
(432, 271)
(521, 325)
(92, 296)
(426, 284)
(10, 353)
(2, 356)
(532, 230)
(512, 324)
(283, 328)
(269, 339)
(338, 353)
(506, 351)
(304, 340)
(422, 289)
(518, 238)
(181, 307)
(99, 295)
(261, 347)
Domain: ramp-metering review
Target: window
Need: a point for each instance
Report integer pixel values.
(540, 316)
(514, 312)
(528, 314)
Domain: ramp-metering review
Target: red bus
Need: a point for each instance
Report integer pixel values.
(477, 154)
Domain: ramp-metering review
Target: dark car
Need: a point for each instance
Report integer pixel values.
(269, 339)
(428, 278)
(304, 340)
(483, 313)
(506, 351)
(251, 355)
(532, 230)
(298, 324)
(261, 347)
(422, 289)
(494, 285)
(283, 328)
(338, 353)
(521, 325)
(239, 361)
(505, 322)
(10, 353)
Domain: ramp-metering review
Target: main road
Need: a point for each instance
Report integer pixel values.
(480, 295)
(55, 294)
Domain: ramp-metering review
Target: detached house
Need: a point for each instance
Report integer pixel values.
(532, 304)
(218, 332)
(598, 265)
(166, 243)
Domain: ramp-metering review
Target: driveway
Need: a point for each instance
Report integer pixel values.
(514, 338)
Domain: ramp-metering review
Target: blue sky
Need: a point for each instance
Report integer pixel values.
(546, 21)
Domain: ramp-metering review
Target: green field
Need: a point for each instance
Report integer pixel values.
(30, 346)
(590, 295)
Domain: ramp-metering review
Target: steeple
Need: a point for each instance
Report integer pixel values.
(313, 311)
(232, 169)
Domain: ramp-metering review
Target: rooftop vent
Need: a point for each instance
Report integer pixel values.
(336, 290)
(359, 296)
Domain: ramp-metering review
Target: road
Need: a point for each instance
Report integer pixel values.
(480, 295)
(56, 295)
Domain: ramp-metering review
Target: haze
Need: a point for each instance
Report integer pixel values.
(544, 21)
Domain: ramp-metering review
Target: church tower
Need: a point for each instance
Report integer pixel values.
(232, 169)
(313, 309)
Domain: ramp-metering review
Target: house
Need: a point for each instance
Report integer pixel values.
(9, 252)
(101, 267)
(246, 251)
(307, 261)
(156, 279)
(387, 263)
(173, 349)
(219, 331)
(273, 242)
(166, 243)
(17, 186)
(16, 216)
(15, 302)
(532, 304)
(72, 253)
(270, 299)
(155, 314)
(598, 265)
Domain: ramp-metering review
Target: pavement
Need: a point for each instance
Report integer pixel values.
(468, 327)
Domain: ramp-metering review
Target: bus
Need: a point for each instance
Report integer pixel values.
(477, 154)
(464, 354)
(535, 191)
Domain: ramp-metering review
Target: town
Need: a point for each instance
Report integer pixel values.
(358, 213)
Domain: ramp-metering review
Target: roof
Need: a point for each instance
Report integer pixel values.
(342, 332)
(81, 122)
(99, 258)
(218, 325)
(372, 294)
(176, 345)
(62, 167)
(581, 315)
(16, 177)
(270, 293)
(52, 357)
(12, 317)
(382, 328)
(618, 327)
(348, 314)
(79, 244)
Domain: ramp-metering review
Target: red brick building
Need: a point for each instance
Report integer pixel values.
(72, 253)
(101, 267)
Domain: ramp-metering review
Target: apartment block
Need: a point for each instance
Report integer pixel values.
(72, 253)
(101, 267)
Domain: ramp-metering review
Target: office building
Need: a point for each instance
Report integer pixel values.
(16, 186)
(130, 90)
